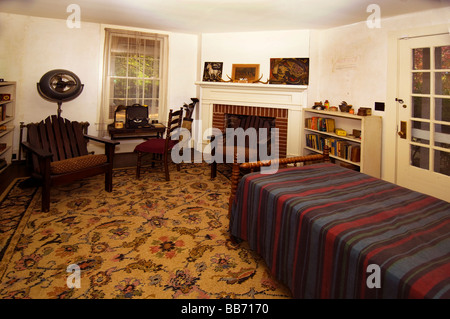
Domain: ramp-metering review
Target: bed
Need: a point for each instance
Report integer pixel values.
(329, 232)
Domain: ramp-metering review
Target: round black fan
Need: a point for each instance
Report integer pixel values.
(59, 86)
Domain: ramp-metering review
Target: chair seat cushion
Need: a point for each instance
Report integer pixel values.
(154, 145)
(77, 163)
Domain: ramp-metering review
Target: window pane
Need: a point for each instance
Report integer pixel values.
(442, 107)
(421, 107)
(420, 157)
(442, 135)
(151, 89)
(442, 57)
(134, 66)
(442, 83)
(420, 132)
(151, 67)
(135, 89)
(118, 88)
(442, 162)
(421, 59)
(119, 65)
(421, 83)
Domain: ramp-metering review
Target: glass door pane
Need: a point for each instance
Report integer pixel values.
(430, 77)
(421, 107)
(442, 57)
(442, 110)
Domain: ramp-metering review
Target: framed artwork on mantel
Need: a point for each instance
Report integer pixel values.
(245, 73)
(293, 71)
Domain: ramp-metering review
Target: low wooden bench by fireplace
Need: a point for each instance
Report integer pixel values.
(248, 151)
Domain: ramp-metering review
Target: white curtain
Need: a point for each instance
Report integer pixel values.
(132, 73)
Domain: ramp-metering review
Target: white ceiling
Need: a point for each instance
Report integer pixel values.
(208, 16)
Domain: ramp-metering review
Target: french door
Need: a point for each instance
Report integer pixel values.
(423, 146)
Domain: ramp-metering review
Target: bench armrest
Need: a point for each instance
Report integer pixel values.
(101, 140)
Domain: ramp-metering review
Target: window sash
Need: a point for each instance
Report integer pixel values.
(133, 72)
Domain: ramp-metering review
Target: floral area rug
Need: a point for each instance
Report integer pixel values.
(147, 239)
(13, 204)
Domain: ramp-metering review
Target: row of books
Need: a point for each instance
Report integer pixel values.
(339, 148)
(322, 124)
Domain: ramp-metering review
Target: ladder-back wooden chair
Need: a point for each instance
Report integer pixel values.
(59, 154)
(160, 146)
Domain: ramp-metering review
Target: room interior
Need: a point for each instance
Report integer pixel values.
(344, 52)
(352, 47)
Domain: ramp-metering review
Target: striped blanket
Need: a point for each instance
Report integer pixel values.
(329, 232)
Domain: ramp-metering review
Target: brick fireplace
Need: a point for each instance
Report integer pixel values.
(279, 115)
(282, 102)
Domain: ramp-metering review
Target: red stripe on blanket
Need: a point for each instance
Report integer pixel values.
(282, 199)
(396, 244)
(422, 286)
(335, 231)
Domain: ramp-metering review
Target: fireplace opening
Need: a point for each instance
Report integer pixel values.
(231, 116)
(246, 122)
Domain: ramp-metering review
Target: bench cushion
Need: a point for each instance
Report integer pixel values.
(77, 163)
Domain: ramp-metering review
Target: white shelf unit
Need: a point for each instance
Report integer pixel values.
(8, 109)
(369, 142)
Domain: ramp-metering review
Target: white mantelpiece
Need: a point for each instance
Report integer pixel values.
(291, 97)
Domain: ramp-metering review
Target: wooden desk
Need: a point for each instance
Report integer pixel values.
(118, 133)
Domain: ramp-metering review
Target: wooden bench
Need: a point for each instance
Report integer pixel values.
(59, 154)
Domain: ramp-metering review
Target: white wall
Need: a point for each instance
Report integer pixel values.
(253, 48)
(37, 45)
(353, 65)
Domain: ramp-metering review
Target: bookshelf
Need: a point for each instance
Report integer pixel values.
(363, 153)
(7, 113)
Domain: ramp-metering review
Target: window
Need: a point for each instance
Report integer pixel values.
(133, 72)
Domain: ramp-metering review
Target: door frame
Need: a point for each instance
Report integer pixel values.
(391, 118)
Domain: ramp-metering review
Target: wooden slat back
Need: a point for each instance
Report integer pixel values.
(53, 147)
(60, 127)
(54, 139)
(63, 138)
(79, 139)
(71, 138)
(174, 122)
